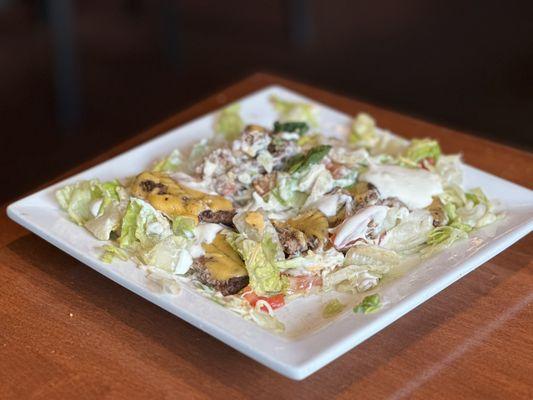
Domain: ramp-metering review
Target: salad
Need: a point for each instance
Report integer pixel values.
(257, 216)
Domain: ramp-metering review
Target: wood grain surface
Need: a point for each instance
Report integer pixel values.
(67, 332)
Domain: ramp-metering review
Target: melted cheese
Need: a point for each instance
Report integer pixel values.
(222, 261)
(174, 199)
(414, 187)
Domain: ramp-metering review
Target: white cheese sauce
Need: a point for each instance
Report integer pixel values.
(414, 187)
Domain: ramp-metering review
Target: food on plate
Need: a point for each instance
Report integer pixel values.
(258, 216)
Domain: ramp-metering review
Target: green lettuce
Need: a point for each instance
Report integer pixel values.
(111, 252)
(363, 131)
(325, 260)
(96, 205)
(171, 255)
(370, 304)
(300, 128)
(332, 308)
(142, 225)
(444, 236)
(229, 123)
(171, 163)
(289, 111)
(421, 149)
(183, 226)
(260, 249)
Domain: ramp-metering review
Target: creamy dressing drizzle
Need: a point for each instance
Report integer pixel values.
(414, 187)
(203, 233)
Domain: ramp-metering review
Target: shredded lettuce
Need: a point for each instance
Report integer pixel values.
(443, 237)
(449, 168)
(111, 252)
(171, 163)
(183, 226)
(289, 111)
(243, 308)
(229, 123)
(363, 131)
(332, 308)
(421, 149)
(410, 233)
(259, 246)
(171, 255)
(96, 205)
(375, 258)
(353, 278)
(142, 225)
(85, 200)
(300, 128)
(325, 260)
(370, 304)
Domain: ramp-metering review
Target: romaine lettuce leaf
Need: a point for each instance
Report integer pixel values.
(171, 163)
(111, 252)
(96, 205)
(259, 246)
(293, 111)
(363, 131)
(142, 225)
(375, 258)
(421, 149)
(171, 255)
(229, 123)
(183, 226)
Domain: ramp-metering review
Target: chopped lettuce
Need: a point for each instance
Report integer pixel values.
(370, 304)
(471, 208)
(443, 237)
(171, 255)
(259, 247)
(98, 206)
(171, 163)
(229, 123)
(293, 111)
(363, 131)
(332, 308)
(111, 252)
(301, 162)
(325, 260)
(375, 258)
(422, 149)
(142, 225)
(449, 168)
(300, 128)
(353, 278)
(183, 226)
(410, 233)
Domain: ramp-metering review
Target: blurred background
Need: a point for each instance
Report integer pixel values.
(77, 77)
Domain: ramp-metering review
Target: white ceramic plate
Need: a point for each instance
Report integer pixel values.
(310, 342)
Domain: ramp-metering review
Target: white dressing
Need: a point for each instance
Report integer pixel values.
(413, 187)
(190, 183)
(203, 233)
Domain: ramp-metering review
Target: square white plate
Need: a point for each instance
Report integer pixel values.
(310, 342)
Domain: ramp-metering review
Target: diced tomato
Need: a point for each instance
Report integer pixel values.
(275, 301)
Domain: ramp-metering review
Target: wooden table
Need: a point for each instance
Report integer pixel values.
(67, 332)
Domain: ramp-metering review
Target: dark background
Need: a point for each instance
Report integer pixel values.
(77, 77)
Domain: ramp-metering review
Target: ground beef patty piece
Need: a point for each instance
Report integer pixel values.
(227, 287)
(292, 240)
(217, 217)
